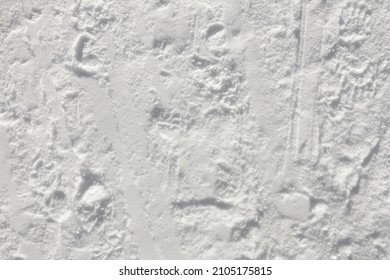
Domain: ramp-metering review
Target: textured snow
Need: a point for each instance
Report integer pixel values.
(210, 129)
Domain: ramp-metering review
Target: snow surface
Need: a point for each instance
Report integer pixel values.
(208, 129)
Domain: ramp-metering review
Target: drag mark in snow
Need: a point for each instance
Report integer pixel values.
(101, 104)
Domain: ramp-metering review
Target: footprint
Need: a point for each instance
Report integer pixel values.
(357, 80)
(294, 206)
(79, 45)
(214, 28)
(354, 24)
(95, 207)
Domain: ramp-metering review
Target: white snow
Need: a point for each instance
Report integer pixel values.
(166, 129)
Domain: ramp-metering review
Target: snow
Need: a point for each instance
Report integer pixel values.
(165, 129)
